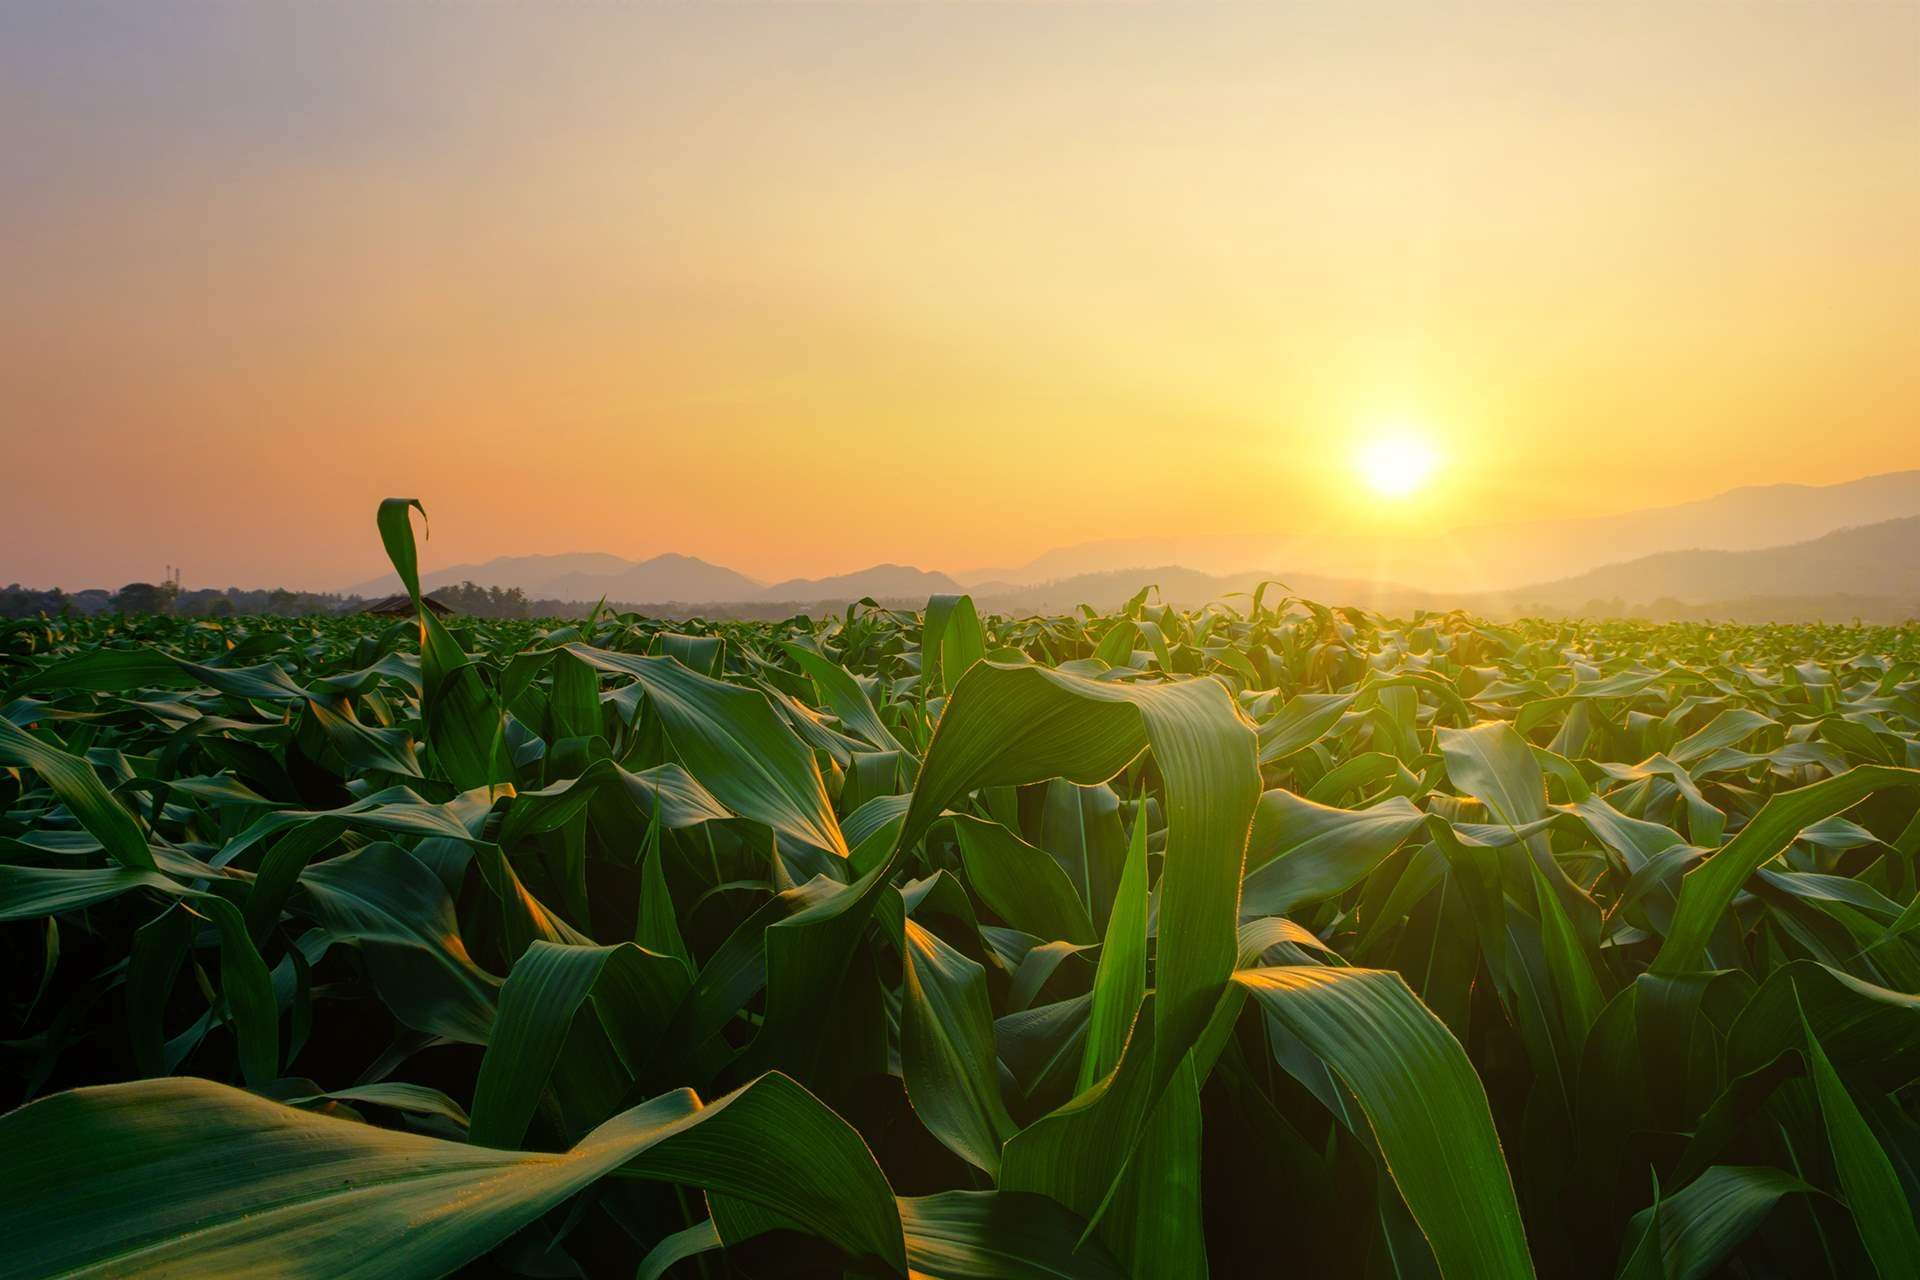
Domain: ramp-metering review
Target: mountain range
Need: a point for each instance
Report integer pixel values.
(1787, 550)
(1499, 556)
(676, 579)
(1871, 572)
(1880, 560)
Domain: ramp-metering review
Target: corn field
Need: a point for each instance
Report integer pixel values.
(1265, 939)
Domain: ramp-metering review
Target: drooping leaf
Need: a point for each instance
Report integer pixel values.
(208, 1180)
(1422, 1099)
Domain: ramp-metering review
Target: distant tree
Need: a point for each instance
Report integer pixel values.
(144, 597)
(17, 601)
(485, 602)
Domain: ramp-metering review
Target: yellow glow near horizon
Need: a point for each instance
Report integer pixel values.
(1184, 263)
(1397, 465)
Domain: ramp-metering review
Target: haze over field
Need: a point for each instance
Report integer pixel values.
(1841, 549)
(1097, 640)
(799, 290)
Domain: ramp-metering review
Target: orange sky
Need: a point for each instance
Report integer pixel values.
(797, 288)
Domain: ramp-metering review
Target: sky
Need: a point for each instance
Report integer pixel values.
(799, 287)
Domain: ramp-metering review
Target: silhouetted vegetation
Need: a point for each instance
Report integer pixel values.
(486, 602)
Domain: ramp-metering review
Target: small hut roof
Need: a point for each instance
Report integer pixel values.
(403, 604)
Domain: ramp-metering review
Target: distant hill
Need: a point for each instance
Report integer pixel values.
(1188, 588)
(586, 575)
(1790, 550)
(1872, 563)
(882, 581)
(676, 579)
(1746, 519)
(1871, 572)
(503, 571)
(1503, 556)
(667, 577)
(1217, 555)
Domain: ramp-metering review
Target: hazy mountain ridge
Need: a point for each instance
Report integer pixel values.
(669, 578)
(501, 571)
(1750, 518)
(1821, 546)
(1870, 571)
(1502, 556)
(881, 581)
(586, 574)
(664, 577)
(1186, 587)
(1873, 561)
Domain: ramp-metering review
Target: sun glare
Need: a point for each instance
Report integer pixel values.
(1396, 465)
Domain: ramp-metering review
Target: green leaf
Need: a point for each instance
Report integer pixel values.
(207, 1180)
(27, 893)
(385, 901)
(657, 926)
(1423, 1101)
(732, 741)
(1024, 885)
(1304, 852)
(1120, 983)
(130, 670)
(79, 788)
(1154, 1222)
(634, 992)
(395, 519)
(1492, 763)
(1869, 1030)
(999, 1235)
(946, 1050)
(1708, 889)
(1701, 1225)
(1874, 1194)
(844, 694)
(1008, 725)
(1576, 989)
(1303, 721)
(951, 641)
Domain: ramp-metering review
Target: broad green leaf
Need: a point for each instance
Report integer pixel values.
(1709, 888)
(1879, 1203)
(1006, 725)
(1422, 1100)
(951, 641)
(999, 1235)
(1023, 885)
(1120, 982)
(1493, 764)
(207, 1180)
(730, 739)
(1699, 1226)
(1304, 852)
(384, 901)
(1301, 723)
(946, 1050)
(80, 789)
(634, 992)
(843, 693)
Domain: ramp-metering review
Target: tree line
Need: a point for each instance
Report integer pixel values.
(17, 601)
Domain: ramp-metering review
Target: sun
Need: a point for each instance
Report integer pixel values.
(1396, 465)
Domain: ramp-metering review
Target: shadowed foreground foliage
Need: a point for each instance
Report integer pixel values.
(1262, 939)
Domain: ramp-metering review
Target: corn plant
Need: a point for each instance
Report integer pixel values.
(1265, 938)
